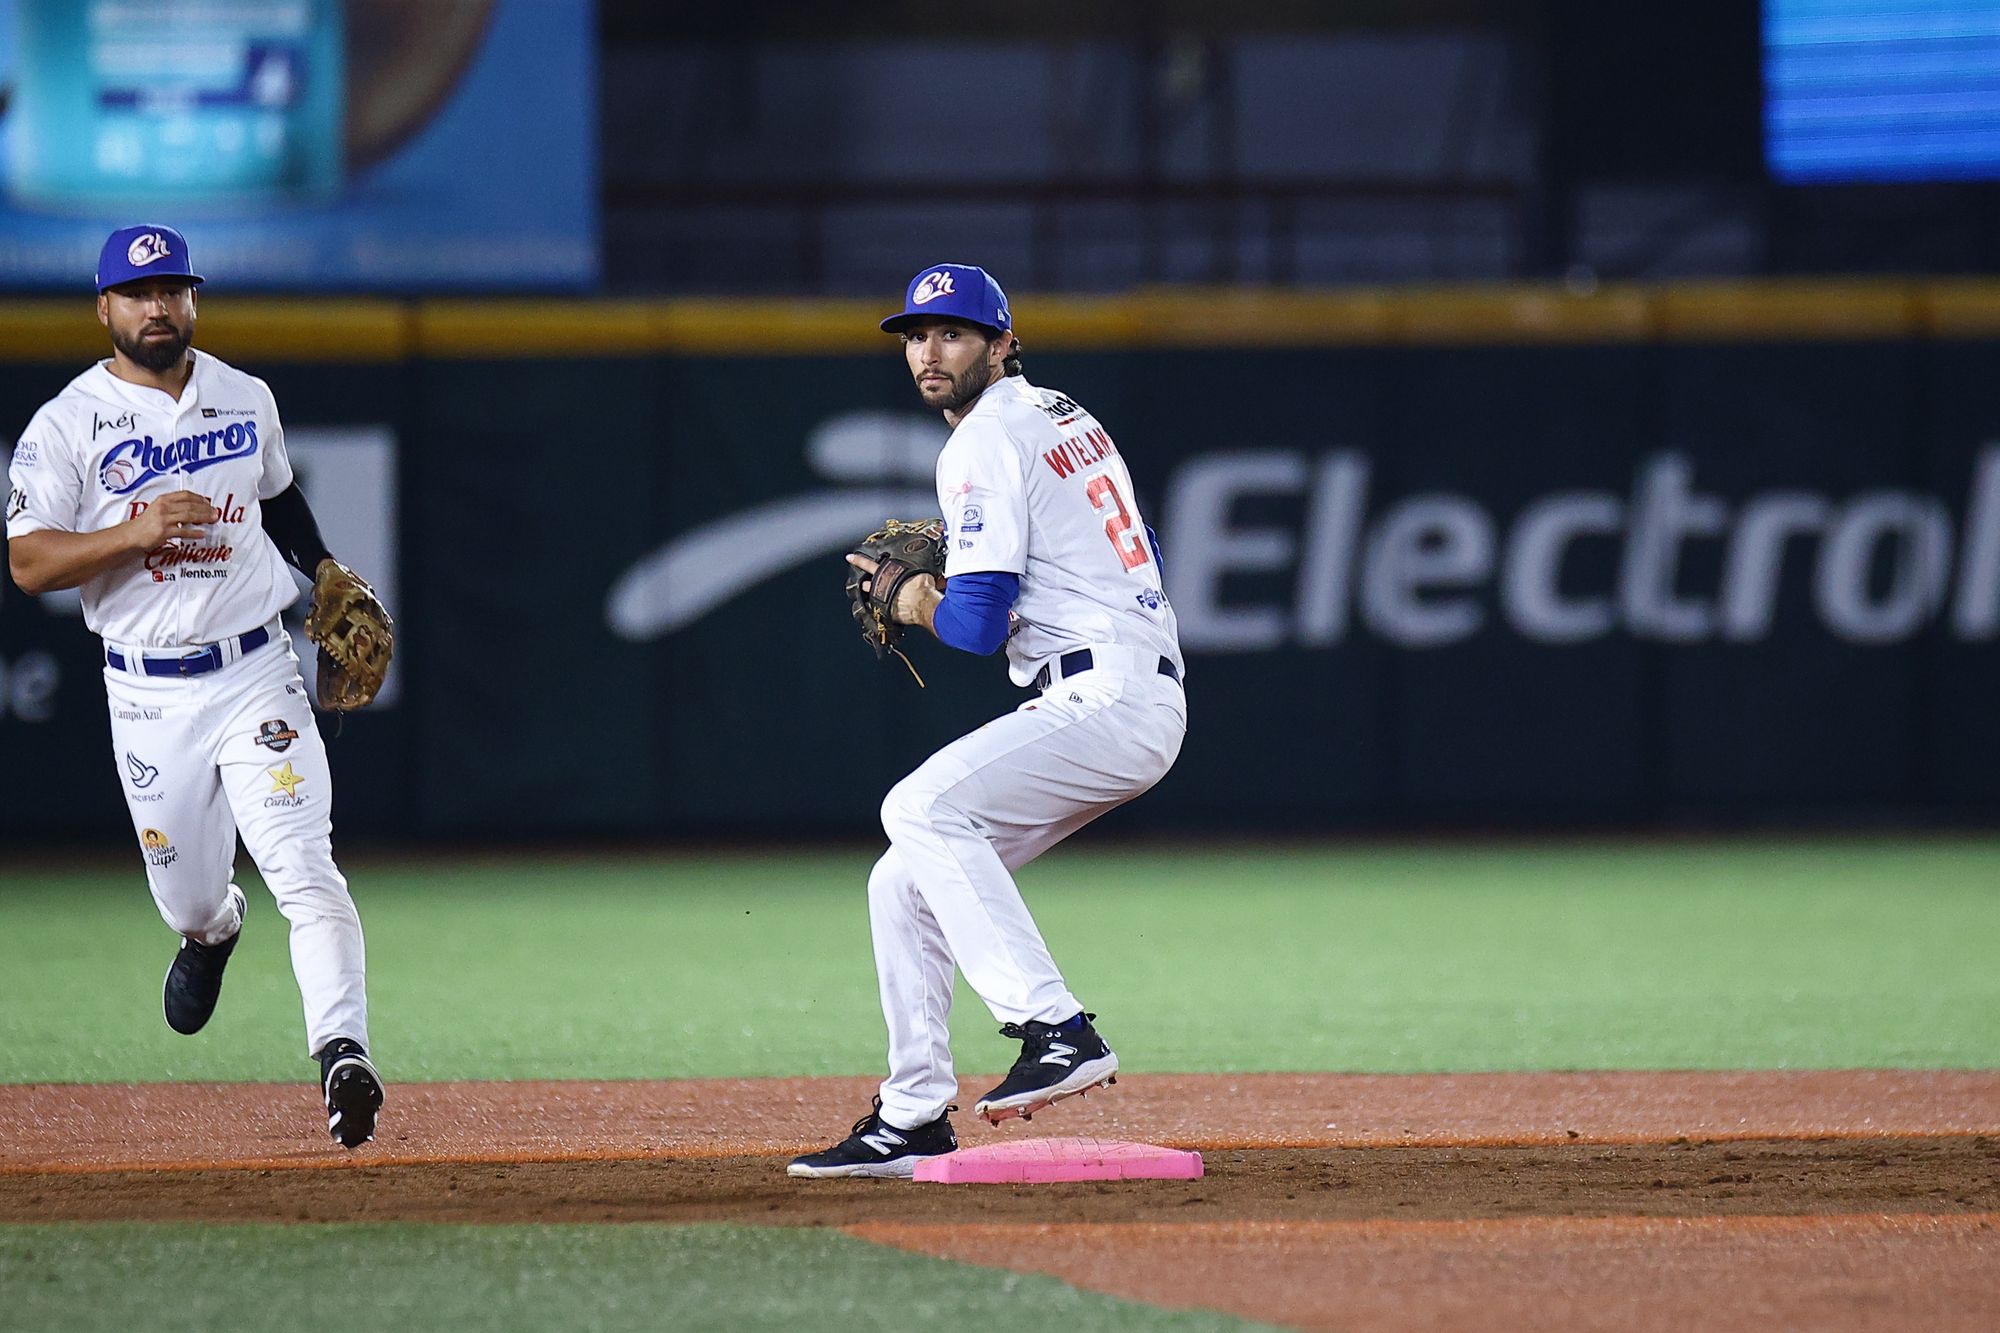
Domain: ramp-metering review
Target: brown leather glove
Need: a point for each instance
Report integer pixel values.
(901, 552)
(355, 635)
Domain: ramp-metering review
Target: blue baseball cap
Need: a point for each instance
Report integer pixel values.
(953, 291)
(132, 253)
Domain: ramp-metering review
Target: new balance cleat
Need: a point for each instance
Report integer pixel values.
(353, 1092)
(1056, 1062)
(877, 1148)
(194, 980)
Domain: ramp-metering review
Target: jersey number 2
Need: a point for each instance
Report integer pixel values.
(1105, 499)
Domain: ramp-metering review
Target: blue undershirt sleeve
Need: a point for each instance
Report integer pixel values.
(973, 615)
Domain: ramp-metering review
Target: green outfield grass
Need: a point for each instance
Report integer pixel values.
(1558, 956)
(574, 1278)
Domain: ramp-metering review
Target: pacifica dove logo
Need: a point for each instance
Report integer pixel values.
(141, 772)
(149, 248)
(930, 287)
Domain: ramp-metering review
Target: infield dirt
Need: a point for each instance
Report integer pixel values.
(1840, 1201)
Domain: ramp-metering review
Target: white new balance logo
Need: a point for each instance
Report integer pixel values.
(1059, 1054)
(884, 1140)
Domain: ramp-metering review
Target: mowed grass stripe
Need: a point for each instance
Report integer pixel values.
(1741, 954)
(163, 1278)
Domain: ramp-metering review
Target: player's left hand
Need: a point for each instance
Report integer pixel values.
(916, 600)
(895, 580)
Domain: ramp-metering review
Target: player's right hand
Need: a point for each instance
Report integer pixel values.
(175, 516)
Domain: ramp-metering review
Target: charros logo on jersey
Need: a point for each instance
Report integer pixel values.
(130, 464)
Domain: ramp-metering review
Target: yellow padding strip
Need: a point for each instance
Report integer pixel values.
(52, 331)
(1809, 311)
(1969, 309)
(243, 330)
(330, 330)
(253, 330)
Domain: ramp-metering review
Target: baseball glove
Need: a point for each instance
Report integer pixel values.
(355, 635)
(901, 552)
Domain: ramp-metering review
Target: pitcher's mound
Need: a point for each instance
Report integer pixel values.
(1025, 1161)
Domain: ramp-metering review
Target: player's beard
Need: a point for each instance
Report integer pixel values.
(159, 356)
(964, 388)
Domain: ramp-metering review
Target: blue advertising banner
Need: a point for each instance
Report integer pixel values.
(324, 144)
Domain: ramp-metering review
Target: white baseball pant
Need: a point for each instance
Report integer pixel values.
(204, 757)
(985, 805)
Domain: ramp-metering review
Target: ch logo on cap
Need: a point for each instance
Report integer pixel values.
(149, 248)
(930, 287)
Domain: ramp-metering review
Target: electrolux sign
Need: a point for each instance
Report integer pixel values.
(1433, 569)
(1424, 570)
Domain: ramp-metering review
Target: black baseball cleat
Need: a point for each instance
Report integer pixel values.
(353, 1091)
(194, 983)
(1055, 1063)
(877, 1148)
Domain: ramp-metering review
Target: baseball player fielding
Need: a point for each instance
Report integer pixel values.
(1045, 553)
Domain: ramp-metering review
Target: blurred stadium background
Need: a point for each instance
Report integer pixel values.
(1556, 417)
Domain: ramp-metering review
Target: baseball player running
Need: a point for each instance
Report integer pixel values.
(1046, 553)
(158, 483)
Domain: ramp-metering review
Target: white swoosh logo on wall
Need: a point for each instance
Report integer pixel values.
(693, 574)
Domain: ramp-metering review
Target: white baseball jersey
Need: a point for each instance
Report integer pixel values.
(1030, 484)
(98, 452)
(203, 758)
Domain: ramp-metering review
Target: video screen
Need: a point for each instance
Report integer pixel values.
(1859, 92)
(324, 144)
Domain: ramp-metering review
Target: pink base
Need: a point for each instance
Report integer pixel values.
(1027, 1161)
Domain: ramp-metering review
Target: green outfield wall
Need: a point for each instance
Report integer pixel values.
(1450, 558)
